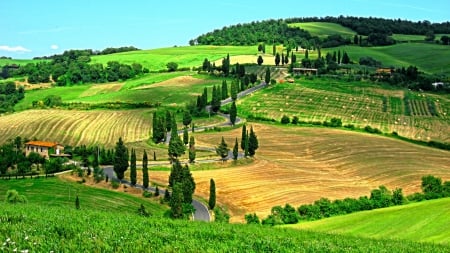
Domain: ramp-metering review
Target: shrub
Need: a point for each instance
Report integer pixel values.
(115, 184)
(295, 120)
(285, 119)
(252, 219)
(146, 194)
(13, 197)
(221, 215)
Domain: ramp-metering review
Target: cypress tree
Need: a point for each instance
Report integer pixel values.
(339, 57)
(252, 142)
(176, 201)
(212, 194)
(277, 59)
(260, 60)
(243, 137)
(246, 153)
(306, 54)
(204, 98)
(274, 49)
(166, 196)
(168, 121)
(236, 150)
(188, 184)
(133, 167)
(175, 173)
(224, 89)
(222, 150)
(145, 178)
(267, 76)
(187, 118)
(234, 90)
(185, 136)
(215, 102)
(233, 113)
(156, 191)
(120, 159)
(176, 147)
(154, 156)
(77, 203)
(192, 152)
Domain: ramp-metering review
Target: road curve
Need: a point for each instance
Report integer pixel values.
(201, 211)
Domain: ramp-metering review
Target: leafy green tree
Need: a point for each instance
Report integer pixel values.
(236, 150)
(158, 129)
(185, 136)
(176, 146)
(172, 66)
(267, 76)
(187, 118)
(233, 113)
(224, 90)
(432, 186)
(53, 165)
(285, 119)
(192, 152)
(120, 159)
(145, 177)
(99, 174)
(397, 196)
(35, 158)
(243, 136)
(212, 194)
(133, 167)
(222, 150)
(252, 142)
(252, 219)
(260, 60)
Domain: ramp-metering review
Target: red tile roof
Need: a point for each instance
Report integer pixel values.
(42, 143)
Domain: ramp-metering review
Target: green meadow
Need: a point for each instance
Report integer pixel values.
(324, 29)
(426, 221)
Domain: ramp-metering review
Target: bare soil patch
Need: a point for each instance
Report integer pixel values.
(180, 81)
(98, 89)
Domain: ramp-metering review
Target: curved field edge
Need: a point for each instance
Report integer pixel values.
(298, 165)
(426, 221)
(37, 228)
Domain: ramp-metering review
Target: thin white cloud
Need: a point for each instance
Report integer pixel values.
(16, 49)
(54, 47)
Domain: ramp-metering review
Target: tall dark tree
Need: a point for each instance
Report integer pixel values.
(252, 142)
(293, 58)
(133, 167)
(145, 178)
(243, 137)
(168, 121)
(355, 39)
(339, 57)
(274, 49)
(176, 201)
(345, 58)
(226, 65)
(267, 76)
(185, 136)
(77, 203)
(192, 152)
(188, 184)
(204, 98)
(224, 90)
(158, 129)
(176, 146)
(306, 54)
(120, 159)
(187, 118)
(215, 103)
(233, 113)
(246, 153)
(234, 90)
(212, 194)
(222, 150)
(260, 60)
(236, 150)
(277, 59)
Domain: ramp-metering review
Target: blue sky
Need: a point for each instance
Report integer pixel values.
(36, 28)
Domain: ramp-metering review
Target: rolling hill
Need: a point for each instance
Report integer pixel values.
(324, 29)
(423, 222)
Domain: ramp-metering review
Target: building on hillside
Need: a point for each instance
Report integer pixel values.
(384, 71)
(44, 148)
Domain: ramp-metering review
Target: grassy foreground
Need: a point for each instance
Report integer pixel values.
(55, 229)
(424, 222)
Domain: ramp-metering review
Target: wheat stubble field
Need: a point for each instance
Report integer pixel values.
(299, 165)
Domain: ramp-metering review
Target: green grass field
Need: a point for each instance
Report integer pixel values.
(426, 221)
(36, 228)
(4, 62)
(56, 192)
(187, 56)
(324, 29)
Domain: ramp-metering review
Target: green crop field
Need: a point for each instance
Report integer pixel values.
(426, 221)
(57, 192)
(408, 37)
(356, 103)
(324, 29)
(187, 56)
(4, 62)
(37, 228)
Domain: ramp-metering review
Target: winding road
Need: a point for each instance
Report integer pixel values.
(201, 210)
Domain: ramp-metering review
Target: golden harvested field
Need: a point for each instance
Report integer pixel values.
(77, 127)
(299, 165)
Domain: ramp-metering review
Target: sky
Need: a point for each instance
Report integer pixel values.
(30, 28)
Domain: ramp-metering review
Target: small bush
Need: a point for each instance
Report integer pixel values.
(285, 119)
(221, 215)
(295, 120)
(146, 194)
(115, 184)
(13, 197)
(350, 126)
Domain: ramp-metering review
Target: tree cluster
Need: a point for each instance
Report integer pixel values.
(183, 187)
(9, 96)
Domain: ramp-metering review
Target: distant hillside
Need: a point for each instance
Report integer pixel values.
(424, 222)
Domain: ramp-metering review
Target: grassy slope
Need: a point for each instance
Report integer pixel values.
(56, 192)
(42, 229)
(188, 56)
(18, 61)
(424, 222)
(324, 29)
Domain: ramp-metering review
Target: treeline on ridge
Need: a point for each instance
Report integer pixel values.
(108, 50)
(278, 31)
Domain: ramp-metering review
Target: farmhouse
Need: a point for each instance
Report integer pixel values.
(44, 148)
